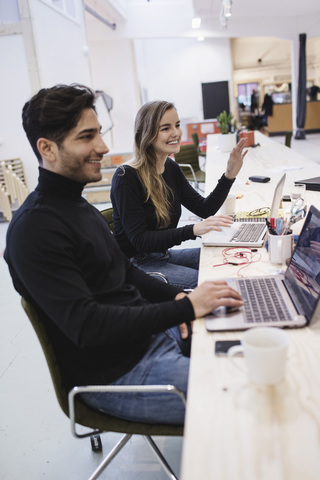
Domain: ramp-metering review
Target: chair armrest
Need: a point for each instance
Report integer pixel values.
(115, 389)
(160, 275)
(192, 172)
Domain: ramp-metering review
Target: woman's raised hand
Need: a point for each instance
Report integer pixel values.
(212, 223)
(236, 159)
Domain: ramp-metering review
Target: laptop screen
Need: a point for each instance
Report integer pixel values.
(302, 276)
(277, 197)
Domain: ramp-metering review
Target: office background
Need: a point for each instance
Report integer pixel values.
(153, 53)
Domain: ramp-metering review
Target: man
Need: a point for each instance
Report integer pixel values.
(254, 101)
(110, 323)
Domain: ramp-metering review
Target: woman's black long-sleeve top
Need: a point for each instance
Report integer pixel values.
(135, 223)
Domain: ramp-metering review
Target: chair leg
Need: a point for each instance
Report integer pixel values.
(105, 462)
(161, 458)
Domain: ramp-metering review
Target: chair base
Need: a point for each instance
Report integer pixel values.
(119, 446)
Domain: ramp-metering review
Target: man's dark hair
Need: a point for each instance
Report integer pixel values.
(53, 112)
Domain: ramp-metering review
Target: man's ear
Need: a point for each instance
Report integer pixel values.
(47, 149)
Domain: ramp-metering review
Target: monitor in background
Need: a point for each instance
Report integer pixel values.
(215, 99)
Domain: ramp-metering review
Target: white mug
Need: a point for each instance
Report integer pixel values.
(280, 247)
(265, 351)
(229, 206)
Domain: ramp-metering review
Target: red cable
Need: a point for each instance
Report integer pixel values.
(247, 255)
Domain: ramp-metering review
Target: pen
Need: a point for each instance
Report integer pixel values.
(279, 223)
(284, 227)
(270, 229)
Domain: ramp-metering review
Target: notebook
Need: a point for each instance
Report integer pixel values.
(289, 300)
(246, 233)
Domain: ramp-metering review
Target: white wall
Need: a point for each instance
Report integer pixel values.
(158, 69)
(61, 46)
(59, 43)
(173, 69)
(114, 71)
(15, 89)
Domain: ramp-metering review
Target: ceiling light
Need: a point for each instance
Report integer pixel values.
(223, 19)
(227, 7)
(196, 22)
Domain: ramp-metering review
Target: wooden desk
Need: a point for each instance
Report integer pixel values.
(235, 430)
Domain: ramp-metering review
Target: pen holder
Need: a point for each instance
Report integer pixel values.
(280, 247)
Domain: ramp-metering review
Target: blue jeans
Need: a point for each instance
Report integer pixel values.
(164, 363)
(180, 266)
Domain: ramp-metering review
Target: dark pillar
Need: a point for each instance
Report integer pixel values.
(302, 90)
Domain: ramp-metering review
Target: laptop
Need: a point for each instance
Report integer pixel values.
(311, 183)
(246, 233)
(289, 300)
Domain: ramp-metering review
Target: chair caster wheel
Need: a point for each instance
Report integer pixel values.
(96, 444)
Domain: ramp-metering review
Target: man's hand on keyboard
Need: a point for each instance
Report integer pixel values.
(213, 294)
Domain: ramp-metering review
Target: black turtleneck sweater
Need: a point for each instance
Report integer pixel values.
(100, 311)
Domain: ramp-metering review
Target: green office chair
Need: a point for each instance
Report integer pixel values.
(107, 213)
(188, 160)
(195, 139)
(288, 139)
(80, 413)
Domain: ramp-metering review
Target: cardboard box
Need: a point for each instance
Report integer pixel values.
(111, 160)
(106, 180)
(98, 197)
(106, 161)
(250, 137)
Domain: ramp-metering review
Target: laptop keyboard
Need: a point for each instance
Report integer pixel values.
(262, 300)
(251, 219)
(248, 232)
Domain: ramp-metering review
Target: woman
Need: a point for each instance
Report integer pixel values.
(147, 194)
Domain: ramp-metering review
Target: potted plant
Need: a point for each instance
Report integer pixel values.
(228, 127)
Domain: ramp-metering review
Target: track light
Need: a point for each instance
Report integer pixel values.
(223, 20)
(227, 7)
(225, 12)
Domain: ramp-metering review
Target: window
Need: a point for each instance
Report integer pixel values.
(9, 11)
(245, 91)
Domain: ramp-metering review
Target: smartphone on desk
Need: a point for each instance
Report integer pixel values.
(222, 346)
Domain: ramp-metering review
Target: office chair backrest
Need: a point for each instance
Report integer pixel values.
(49, 353)
(288, 139)
(188, 154)
(195, 139)
(107, 213)
(86, 415)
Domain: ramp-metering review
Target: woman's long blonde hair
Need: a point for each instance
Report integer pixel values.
(146, 129)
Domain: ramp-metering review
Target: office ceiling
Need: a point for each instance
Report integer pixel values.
(258, 8)
(172, 18)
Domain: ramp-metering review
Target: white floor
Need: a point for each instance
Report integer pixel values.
(35, 439)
